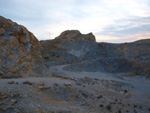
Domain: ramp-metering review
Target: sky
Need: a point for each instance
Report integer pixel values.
(114, 21)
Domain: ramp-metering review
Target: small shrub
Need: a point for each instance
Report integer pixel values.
(27, 82)
(119, 111)
(135, 106)
(46, 57)
(108, 107)
(125, 91)
(101, 105)
(99, 97)
(140, 107)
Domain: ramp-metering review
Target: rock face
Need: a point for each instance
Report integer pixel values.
(19, 51)
(22, 55)
(84, 54)
(71, 46)
(71, 35)
(117, 58)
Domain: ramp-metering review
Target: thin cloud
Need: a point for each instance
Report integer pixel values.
(114, 20)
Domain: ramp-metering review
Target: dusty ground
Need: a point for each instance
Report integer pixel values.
(75, 92)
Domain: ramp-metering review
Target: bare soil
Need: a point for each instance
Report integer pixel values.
(75, 92)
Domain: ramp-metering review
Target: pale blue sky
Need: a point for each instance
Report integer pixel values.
(109, 20)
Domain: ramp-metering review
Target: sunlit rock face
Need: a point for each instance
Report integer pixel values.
(73, 35)
(19, 51)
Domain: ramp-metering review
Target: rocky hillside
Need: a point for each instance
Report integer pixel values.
(85, 54)
(108, 79)
(19, 51)
(21, 54)
(70, 47)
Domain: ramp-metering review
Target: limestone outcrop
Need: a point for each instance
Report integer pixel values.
(85, 54)
(22, 55)
(69, 47)
(19, 51)
(72, 35)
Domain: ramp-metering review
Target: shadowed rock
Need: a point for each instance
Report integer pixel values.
(22, 55)
(87, 55)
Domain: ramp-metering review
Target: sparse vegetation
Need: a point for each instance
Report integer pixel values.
(27, 82)
(125, 91)
(135, 106)
(101, 105)
(46, 57)
(119, 111)
(99, 97)
(108, 107)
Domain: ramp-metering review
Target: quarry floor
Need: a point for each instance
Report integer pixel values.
(75, 92)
